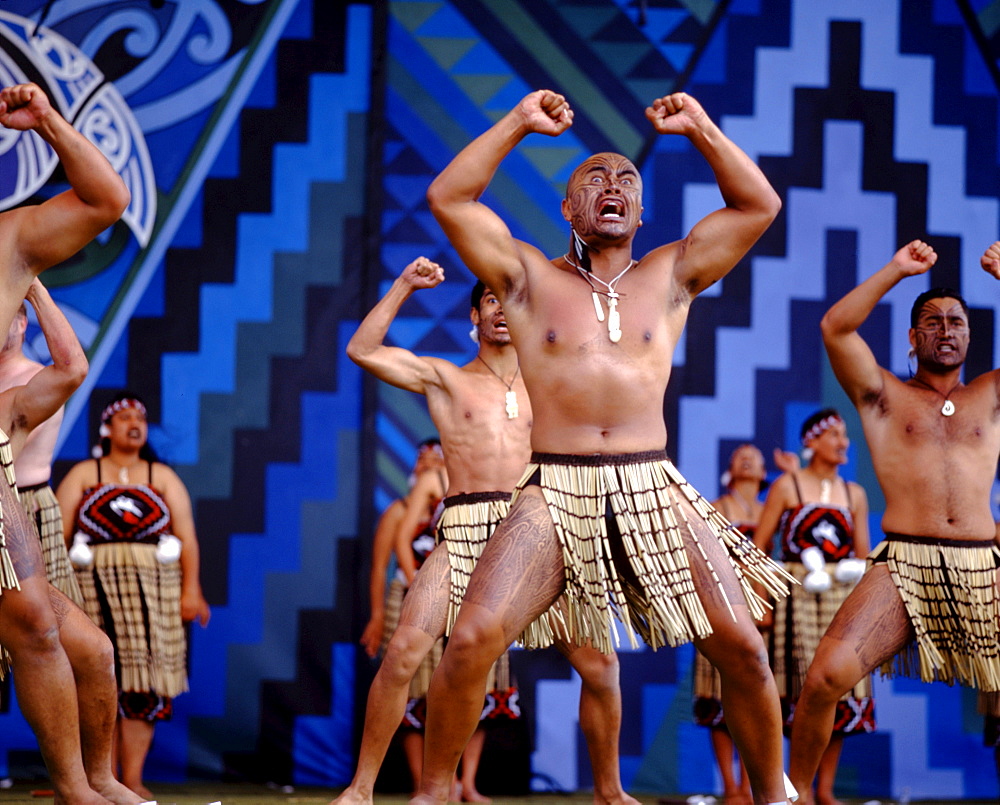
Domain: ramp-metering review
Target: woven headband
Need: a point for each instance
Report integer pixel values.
(121, 405)
(824, 424)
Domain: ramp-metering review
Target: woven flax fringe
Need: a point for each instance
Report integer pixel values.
(421, 681)
(653, 507)
(143, 598)
(43, 509)
(8, 576)
(466, 528)
(951, 598)
(800, 621)
(707, 683)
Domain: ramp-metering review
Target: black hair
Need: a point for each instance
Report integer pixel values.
(935, 293)
(477, 294)
(818, 417)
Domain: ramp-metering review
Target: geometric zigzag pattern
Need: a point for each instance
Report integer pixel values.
(876, 122)
(875, 126)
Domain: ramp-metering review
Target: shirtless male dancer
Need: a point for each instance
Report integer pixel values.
(35, 631)
(33, 464)
(931, 588)
(484, 418)
(671, 566)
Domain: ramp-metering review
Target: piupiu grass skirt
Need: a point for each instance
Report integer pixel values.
(137, 601)
(42, 507)
(800, 621)
(466, 525)
(949, 590)
(8, 577)
(637, 510)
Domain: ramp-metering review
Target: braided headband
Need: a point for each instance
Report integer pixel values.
(824, 424)
(121, 405)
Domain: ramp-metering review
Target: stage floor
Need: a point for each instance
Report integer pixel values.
(25, 793)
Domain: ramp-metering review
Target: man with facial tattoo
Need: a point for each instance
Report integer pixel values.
(928, 606)
(482, 412)
(601, 516)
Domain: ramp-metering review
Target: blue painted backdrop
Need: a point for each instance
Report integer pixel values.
(278, 154)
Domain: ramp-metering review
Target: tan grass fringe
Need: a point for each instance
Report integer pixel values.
(707, 684)
(421, 681)
(950, 594)
(800, 621)
(466, 524)
(654, 508)
(42, 507)
(8, 576)
(144, 601)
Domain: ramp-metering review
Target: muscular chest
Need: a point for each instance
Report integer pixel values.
(568, 317)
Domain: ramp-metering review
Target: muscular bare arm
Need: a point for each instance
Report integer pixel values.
(396, 366)
(990, 262)
(851, 358)
(479, 235)
(45, 234)
(23, 408)
(717, 242)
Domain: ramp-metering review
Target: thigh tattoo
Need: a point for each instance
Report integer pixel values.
(522, 564)
(22, 543)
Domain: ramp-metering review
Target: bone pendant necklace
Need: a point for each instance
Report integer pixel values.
(614, 318)
(510, 398)
(948, 409)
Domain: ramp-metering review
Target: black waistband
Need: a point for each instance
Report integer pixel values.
(467, 498)
(33, 487)
(941, 541)
(598, 459)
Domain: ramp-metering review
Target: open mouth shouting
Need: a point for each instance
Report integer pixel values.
(612, 210)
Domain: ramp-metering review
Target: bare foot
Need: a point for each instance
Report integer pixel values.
(141, 790)
(621, 798)
(87, 797)
(119, 794)
(351, 797)
(827, 799)
(425, 799)
(470, 794)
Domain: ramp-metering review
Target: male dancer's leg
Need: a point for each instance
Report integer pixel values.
(92, 659)
(518, 577)
(43, 678)
(421, 622)
(870, 627)
(600, 717)
(736, 649)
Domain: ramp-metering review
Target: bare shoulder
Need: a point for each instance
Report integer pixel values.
(782, 489)
(167, 479)
(80, 475)
(857, 491)
(18, 372)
